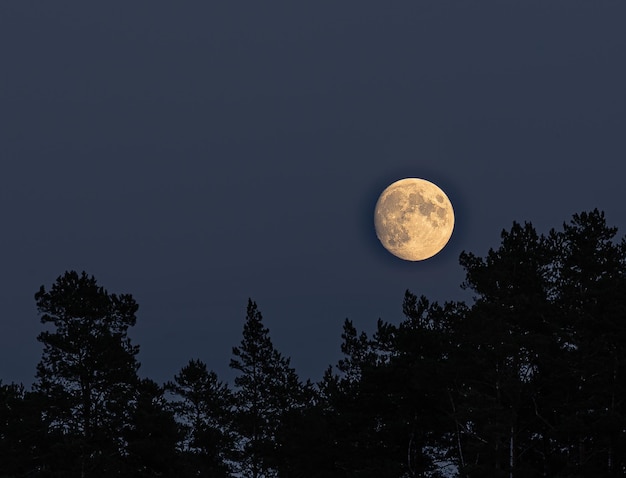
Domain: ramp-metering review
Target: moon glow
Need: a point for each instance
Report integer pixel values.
(414, 219)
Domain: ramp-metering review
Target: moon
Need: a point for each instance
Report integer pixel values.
(414, 219)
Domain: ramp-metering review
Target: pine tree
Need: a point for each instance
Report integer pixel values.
(87, 374)
(507, 345)
(541, 390)
(423, 370)
(204, 408)
(589, 279)
(267, 388)
(356, 402)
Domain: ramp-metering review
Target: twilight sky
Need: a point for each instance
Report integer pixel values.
(195, 154)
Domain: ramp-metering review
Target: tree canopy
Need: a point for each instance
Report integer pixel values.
(528, 380)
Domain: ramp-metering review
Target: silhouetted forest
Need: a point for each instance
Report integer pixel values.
(529, 380)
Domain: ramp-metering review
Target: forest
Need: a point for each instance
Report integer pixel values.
(528, 380)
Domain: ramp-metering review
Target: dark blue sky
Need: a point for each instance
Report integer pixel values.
(195, 154)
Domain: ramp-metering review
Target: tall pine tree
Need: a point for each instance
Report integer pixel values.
(589, 277)
(505, 351)
(87, 375)
(266, 389)
(204, 409)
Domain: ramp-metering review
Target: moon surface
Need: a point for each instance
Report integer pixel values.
(414, 219)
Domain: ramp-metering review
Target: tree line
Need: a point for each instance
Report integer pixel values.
(529, 380)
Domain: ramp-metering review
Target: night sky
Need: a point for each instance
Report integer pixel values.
(195, 154)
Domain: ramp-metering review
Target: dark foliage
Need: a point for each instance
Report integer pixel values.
(267, 389)
(87, 374)
(527, 381)
(204, 409)
(152, 435)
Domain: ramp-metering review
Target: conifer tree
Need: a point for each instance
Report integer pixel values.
(87, 374)
(542, 389)
(204, 408)
(354, 407)
(266, 389)
(506, 350)
(589, 278)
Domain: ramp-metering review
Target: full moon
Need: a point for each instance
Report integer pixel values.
(414, 219)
